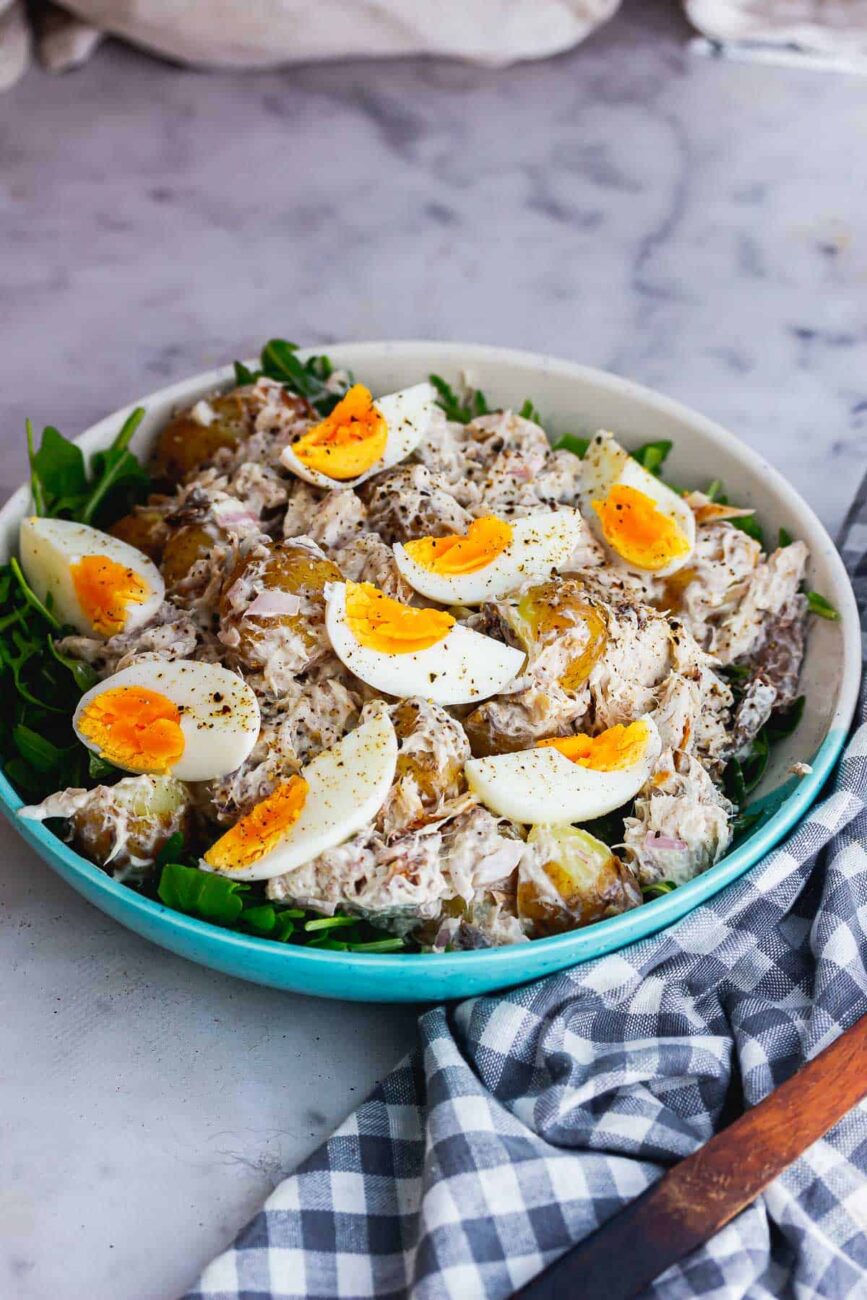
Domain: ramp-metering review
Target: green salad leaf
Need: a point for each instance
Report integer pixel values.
(747, 523)
(652, 455)
(817, 604)
(199, 893)
(62, 487)
(309, 379)
(241, 906)
(459, 409)
(780, 725)
(658, 888)
(39, 688)
(571, 442)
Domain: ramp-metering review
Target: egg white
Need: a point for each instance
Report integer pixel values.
(605, 464)
(463, 667)
(408, 415)
(347, 784)
(219, 712)
(539, 544)
(544, 787)
(49, 547)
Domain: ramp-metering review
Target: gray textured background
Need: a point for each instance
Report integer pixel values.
(696, 224)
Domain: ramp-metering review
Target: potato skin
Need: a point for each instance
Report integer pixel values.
(126, 825)
(284, 566)
(144, 528)
(185, 445)
(569, 879)
(186, 545)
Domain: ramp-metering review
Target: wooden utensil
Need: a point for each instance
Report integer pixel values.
(705, 1191)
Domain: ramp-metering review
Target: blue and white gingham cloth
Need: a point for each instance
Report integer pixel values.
(524, 1121)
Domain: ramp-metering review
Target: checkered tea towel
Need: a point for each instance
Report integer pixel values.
(524, 1121)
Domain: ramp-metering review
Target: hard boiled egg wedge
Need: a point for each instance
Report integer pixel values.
(572, 779)
(646, 525)
(335, 795)
(362, 437)
(195, 721)
(491, 559)
(97, 583)
(405, 651)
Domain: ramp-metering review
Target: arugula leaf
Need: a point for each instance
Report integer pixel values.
(329, 923)
(754, 765)
(83, 674)
(31, 597)
(172, 850)
(817, 604)
(272, 923)
(58, 466)
(658, 888)
(784, 539)
(393, 944)
(239, 906)
(100, 771)
(462, 411)
(734, 783)
(530, 412)
(114, 469)
(747, 523)
(745, 821)
(780, 725)
(59, 481)
(35, 481)
(750, 525)
(244, 376)
(39, 752)
(652, 455)
(571, 442)
(307, 378)
(39, 688)
(199, 893)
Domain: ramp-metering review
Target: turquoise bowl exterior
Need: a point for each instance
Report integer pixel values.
(415, 977)
(701, 450)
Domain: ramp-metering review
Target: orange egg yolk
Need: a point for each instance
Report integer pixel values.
(261, 829)
(616, 748)
(380, 623)
(349, 440)
(104, 589)
(135, 728)
(484, 540)
(634, 527)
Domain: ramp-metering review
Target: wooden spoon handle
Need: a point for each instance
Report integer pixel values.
(705, 1191)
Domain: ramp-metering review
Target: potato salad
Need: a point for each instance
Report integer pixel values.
(390, 671)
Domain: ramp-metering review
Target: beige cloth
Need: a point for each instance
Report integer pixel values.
(265, 33)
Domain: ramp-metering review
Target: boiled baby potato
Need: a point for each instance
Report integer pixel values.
(560, 610)
(125, 825)
(145, 528)
(193, 437)
(567, 878)
(185, 546)
(284, 567)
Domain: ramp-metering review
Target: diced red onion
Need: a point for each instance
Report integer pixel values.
(231, 514)
(654, 840)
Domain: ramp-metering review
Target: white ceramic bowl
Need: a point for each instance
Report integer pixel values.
(571, 398)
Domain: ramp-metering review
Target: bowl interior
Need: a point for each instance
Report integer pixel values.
(571, 399)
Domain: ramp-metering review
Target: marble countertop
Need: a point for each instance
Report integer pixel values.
(696, 224)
